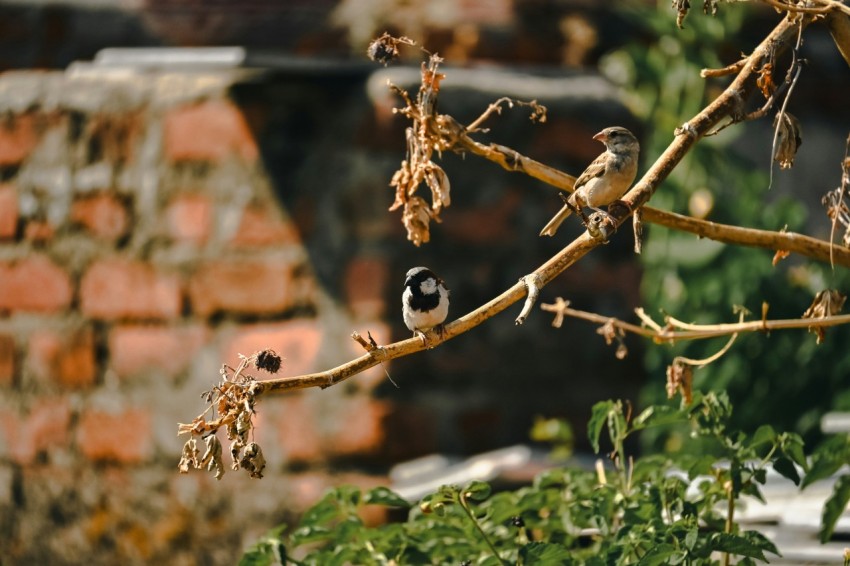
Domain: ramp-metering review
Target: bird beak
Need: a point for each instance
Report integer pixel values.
(601, 136)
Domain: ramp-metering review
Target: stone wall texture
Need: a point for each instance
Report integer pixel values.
(154, 224)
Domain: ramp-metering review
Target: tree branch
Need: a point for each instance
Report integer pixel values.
(670, 333)
(767, 239)
(686, 137)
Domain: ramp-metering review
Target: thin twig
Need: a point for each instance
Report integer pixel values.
(697, 332)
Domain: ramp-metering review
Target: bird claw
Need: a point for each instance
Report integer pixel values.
(421, 335)
(439, 330)
(601, 226)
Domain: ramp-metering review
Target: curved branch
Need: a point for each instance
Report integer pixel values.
(696, 331)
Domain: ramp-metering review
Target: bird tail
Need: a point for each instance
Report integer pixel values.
(553, 225)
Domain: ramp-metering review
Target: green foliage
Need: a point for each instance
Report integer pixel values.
(784, 378)
(659, 509)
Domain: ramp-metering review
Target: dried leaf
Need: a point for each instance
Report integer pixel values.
(764, 81)
(416, 218)
(680, 380)
(253, 460)
(189, 457)
(212, 456)
(681, 7)
(438, 182)
(779, 256)
(788, 139)
(608, 331)
(828, 302)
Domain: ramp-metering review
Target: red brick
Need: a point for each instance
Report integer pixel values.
(125, 437)
(64, 358)
(134, 349)
(34, 284)
(7, 360)
(43, 427)
(297, 429)
(118, 288)
(189, 218)
(17, 139)
(39, 231)
(242, 286)
(103, 215)
(365, 284)
(358, 427)
(297, 341)
(8, 212)
(263, 226)
(209, 131)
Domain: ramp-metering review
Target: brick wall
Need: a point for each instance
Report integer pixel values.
(155, 224)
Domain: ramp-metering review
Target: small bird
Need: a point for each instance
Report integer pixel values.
(606, 179)
(425, 301)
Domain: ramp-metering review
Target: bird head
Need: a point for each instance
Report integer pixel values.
(618, 140)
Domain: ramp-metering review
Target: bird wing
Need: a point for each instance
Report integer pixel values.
(594, 170)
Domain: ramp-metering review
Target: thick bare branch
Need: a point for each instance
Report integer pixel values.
(767, 239)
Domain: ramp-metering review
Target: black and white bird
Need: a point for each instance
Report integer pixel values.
(425, 301)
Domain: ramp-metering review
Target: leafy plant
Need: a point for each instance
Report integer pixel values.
(660, 509)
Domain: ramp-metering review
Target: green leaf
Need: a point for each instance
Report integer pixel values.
(264, 553)
(827, 459)
(834, 508)
(384, 496)
(763, 435)
(786, 468)
(545, 553)
(658, 415)
(598, 418)
(737, 544)
(658, 555)
(477, 490)
(792, 447)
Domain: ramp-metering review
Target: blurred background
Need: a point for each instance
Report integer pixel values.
(184, 180)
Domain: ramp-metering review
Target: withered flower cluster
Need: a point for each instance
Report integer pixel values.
(828, 302)
(232, 399)
(423, 138)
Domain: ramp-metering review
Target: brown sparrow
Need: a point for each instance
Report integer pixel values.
(606, 179)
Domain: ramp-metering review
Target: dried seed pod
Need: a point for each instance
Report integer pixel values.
(268, 360)
(385, 48)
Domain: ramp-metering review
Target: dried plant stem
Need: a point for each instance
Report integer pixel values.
(676, 330)
(702, 123)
